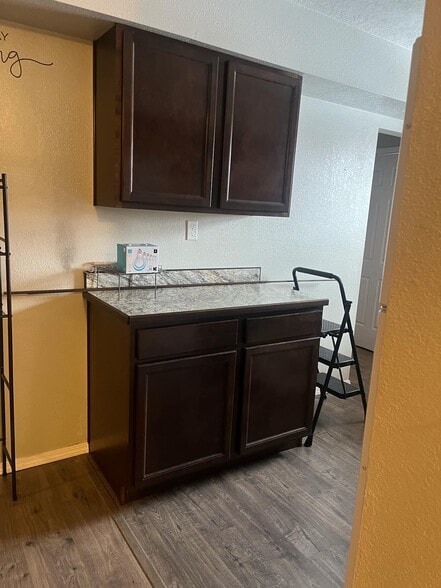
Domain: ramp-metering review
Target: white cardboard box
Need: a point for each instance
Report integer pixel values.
(137, 258)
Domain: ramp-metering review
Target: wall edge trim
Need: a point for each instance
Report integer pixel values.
(32, 461)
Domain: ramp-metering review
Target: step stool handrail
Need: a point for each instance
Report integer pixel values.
(313, 272)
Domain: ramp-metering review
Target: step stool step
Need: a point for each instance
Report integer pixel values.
(330, 328)
(336, 388)
(325, 356)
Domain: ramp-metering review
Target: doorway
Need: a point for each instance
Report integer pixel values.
(377, 232)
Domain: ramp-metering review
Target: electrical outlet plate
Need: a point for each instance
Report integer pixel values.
(191, 230)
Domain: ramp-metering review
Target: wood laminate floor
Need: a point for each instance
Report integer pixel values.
(61, 532)
(281, 521)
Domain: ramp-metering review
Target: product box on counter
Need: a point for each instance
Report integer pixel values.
(137, 258)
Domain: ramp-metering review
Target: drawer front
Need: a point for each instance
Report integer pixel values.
(283, 327)
(185, 340)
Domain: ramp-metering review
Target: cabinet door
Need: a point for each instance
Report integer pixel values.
(184, 411)
(279, 389)
(169, 119)
(259, 138)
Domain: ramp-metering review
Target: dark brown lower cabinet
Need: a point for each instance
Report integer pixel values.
(176, 395)
(184, 415)
(276, 405)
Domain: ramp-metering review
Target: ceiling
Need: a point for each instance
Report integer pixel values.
(397, 21)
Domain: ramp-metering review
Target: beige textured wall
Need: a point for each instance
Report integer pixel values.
(46, 149)
(400, 531)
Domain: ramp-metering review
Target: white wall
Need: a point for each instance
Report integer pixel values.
(335, 159)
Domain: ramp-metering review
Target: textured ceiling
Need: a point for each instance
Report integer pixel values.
(397, 21)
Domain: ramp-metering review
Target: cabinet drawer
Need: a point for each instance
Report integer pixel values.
(185, 339)
(283, 327)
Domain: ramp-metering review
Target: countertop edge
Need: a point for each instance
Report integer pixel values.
(210, 312)
(234, 312)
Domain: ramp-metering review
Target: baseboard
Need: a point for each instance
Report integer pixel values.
(24, 463)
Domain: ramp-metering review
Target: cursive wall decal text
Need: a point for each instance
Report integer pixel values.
(13, 60)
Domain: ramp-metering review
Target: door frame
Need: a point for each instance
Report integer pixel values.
(379, 151)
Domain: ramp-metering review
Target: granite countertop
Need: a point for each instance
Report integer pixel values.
(142, 302)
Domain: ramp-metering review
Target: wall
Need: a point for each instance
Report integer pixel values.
(46, 150)
(46, 135)
(397, 534)
(278, 31)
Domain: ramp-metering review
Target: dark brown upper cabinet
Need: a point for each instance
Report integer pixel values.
(169, 115)
(181, 127)
(259, 138)
(161, 151)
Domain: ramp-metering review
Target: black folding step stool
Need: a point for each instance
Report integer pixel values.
(332, 358)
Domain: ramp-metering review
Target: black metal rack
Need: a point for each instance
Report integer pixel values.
(332, 358)
(6, 350)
